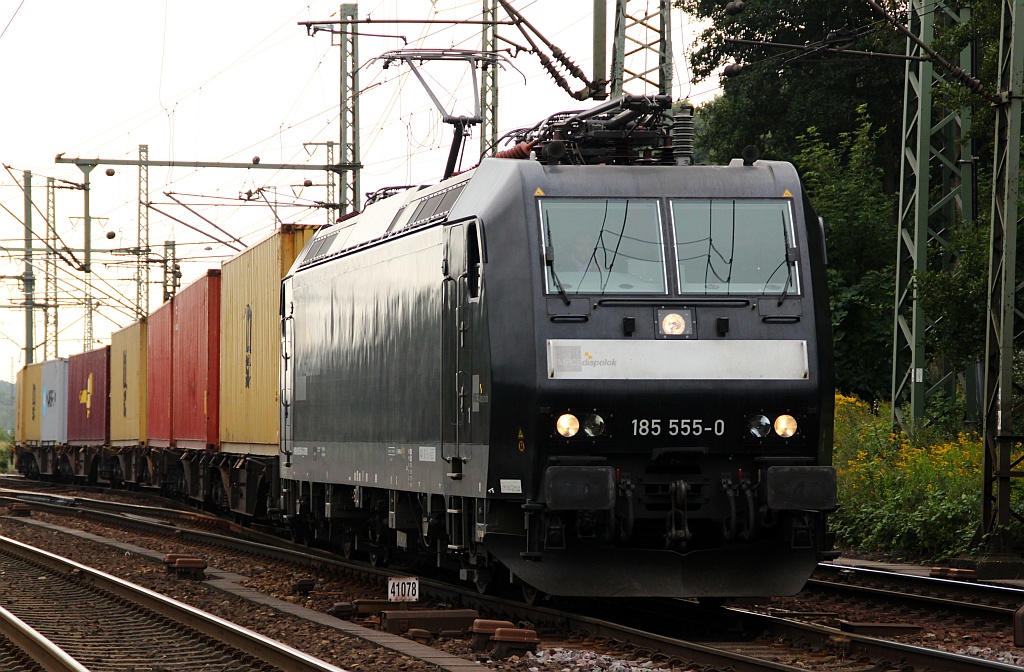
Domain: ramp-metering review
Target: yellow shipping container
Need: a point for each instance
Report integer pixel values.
(29, 400)
(128, 364)
(250, 341)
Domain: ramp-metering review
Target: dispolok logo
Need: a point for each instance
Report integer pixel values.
(588, 360)
(572, 359)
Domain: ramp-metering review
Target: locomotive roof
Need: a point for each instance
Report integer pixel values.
(462, 195)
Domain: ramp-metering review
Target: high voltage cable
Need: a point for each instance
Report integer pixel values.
(12, 19)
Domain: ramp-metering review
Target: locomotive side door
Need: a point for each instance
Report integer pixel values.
(287, 375)
(456, 351)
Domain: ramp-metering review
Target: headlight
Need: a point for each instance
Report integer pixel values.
(593, 425)
(785, 426)
(759, 426)
(673, 324)
(567, 425)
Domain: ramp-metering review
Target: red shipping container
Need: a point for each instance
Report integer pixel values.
(89, 398)
(196, 377)
(160, 364)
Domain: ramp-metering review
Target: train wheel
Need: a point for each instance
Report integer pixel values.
(531, 595)
(348, 545)
(379, 557)
(301, 531)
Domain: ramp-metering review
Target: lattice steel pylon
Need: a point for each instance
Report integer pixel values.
(348, 37)
(348, 105)
(936, 193)
(142, 263)
(332, 181)
(50, 311)
(643, 37)
(1002, 421)
(28, 279)
(489, 80)
(331, 204)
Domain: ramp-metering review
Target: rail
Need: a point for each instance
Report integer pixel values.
(262, 648)
(48, 655)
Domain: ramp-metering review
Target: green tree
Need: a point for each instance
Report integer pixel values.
(955, 298)
(781, 92)
(7, 405)
(6, 450)
(845, 184)
(953, 292)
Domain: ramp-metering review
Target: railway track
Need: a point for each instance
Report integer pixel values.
(102, 623)
(783, 644)
(962, 597)
(872, 652)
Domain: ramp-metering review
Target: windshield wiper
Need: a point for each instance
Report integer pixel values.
(549, 261)
(788, 262)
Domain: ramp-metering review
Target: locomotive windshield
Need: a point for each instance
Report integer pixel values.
(727, 246)
(603, 246)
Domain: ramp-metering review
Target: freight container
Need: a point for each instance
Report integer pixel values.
(250, 341)
(30, 412)
(195, 399)
(159, 382)
(53, 429)
(128, 384)
(89, 398)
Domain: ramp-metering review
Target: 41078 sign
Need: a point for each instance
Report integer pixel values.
(403, 589)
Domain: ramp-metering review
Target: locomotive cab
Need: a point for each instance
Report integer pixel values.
(592, 371)
(682, 425)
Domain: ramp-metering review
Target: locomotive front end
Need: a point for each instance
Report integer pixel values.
(684, 384)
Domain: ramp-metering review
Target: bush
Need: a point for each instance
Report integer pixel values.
(905, 501)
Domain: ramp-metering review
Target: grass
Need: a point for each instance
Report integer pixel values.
(916, 501)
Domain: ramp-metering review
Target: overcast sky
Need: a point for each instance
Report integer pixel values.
(224, 81)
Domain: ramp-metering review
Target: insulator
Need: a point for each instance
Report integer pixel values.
(682, 136)
(520, 151)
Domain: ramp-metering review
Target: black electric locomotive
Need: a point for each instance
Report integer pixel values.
(587, 369)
